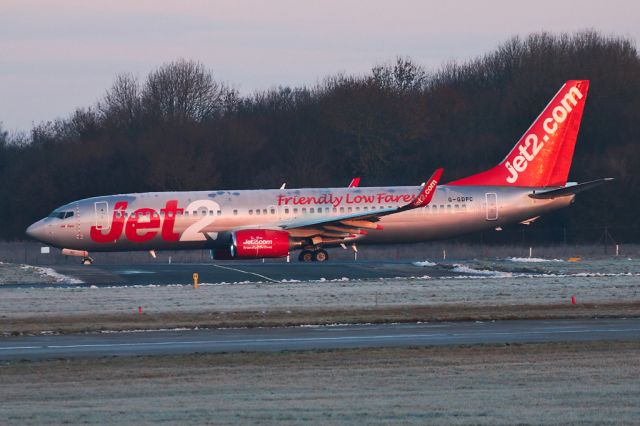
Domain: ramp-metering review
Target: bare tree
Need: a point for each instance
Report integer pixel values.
(184, 91)
(121, 103)
(404, 75)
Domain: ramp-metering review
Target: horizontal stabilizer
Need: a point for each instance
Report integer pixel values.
(530, 220)
(568, 190)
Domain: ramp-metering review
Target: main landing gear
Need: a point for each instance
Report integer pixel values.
(317, 255)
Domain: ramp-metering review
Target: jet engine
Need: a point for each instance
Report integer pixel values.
(255, 244)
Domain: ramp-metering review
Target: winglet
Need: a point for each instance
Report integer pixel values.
(355, 182)
(426, 194)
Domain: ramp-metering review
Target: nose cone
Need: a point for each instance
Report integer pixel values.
(36, 231)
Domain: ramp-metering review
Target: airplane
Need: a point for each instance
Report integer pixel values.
(253, 224)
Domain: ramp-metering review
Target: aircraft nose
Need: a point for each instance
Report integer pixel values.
(36, 231)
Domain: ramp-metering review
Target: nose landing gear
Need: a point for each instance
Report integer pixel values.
(86, 259)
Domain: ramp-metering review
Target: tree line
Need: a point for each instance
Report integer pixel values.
(181, 129)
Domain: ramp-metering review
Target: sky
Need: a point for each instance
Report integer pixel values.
(58, 55)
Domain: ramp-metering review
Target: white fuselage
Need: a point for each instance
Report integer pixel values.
(203, 219)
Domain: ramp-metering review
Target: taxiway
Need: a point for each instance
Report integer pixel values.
(173, 342)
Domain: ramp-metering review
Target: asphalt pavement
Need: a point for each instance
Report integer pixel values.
(232, 272)
(173, 342)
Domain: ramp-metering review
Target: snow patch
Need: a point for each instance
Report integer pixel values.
(462, 269)
(59, 278)
(425, 263)
(532, 259)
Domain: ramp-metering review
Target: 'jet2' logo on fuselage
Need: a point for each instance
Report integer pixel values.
(532, 145)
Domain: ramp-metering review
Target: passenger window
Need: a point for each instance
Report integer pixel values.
(335, 210)
(341, 209)
(235, 212)
(311, 210)
(304, 210)
(250, 212)
(258, 211)
(349, 209)
(219, 212)
(295, 210)
(357, 209)
(273, 211)
(264, 211)
(286, 211)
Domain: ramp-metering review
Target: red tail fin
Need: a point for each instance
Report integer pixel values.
(542, 156)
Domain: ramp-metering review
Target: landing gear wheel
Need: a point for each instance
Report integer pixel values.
(87, 261)
(306, 256)
(320, 255)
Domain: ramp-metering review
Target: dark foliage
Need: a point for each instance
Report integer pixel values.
(182, 130)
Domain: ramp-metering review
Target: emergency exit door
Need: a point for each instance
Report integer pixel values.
(492, 205)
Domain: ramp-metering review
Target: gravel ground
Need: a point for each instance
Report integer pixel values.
(23, 274)
(61, 324)
(583, 383)
(484, 285)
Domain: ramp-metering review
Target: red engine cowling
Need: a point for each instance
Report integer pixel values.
(256, 244)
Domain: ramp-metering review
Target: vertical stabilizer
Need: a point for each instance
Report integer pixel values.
(542, 157)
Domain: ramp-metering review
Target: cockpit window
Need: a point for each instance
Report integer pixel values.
(61, 215)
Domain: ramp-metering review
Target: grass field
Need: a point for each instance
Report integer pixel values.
(586, 383)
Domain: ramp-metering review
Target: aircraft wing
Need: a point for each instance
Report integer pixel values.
(351, 225)
(568, 190)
